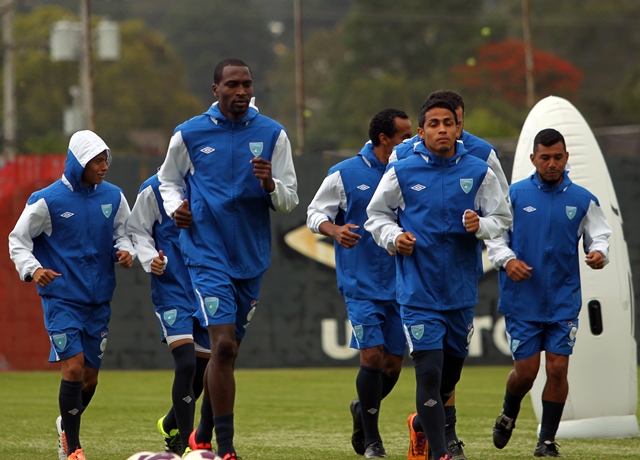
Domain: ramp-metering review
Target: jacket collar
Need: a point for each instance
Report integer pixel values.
(369, 157)
(566, 182)
(438, 160)
(219, 119)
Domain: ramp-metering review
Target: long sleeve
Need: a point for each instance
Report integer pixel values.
(327, 202)
(285, 195)
(121, 239)
(496, 214)
(383, 219)
(494, 162)
(144, 215)
(596, 231)
(34, 220)
(172, 173)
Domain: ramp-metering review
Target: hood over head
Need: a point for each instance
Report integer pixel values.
(83, 147)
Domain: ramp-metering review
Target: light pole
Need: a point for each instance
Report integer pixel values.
(9, 87)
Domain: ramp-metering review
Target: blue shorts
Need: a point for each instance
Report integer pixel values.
(179, 323)
(376, 322)
(528, 338)
(75, 328)
(225, 300)
(447, 330)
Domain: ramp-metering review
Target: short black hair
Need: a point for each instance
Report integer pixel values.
(547, 137)
(449, 95)
(217, 72)
(435, 103)
(384, 122)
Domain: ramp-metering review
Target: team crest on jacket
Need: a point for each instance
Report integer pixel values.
(170, 316)
(256, 148)
(357, 330)
(106, 210)
(466, 185)
(211, 304)
(60, 341)
(417, 331)
(571, 212)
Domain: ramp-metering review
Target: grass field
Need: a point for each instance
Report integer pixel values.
(284, 414)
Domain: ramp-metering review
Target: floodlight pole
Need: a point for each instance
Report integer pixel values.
(528, 52)
(297, 15)
(86, 66)
(7, 9)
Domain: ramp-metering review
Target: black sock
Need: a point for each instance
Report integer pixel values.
(70, 401)
(198, 379)
(369, 387)
(224, 434)
(205, 428)
(551, 415)
(388, 382)
(184, 401)
(511, 405)
(428, 366)
(450, 423)
(86, 397)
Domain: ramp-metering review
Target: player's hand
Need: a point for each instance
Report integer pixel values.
(43, 276)
(124, 259)
(471, 221)
(182, 216)
(595, 260)
(158, 264)
(344, 235)
(405, 243)
(517, 270)
(262, 170)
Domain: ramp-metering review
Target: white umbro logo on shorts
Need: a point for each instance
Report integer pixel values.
(418, 187)
(529, 209)
(207, 150)
(66, 215)
(363, 187)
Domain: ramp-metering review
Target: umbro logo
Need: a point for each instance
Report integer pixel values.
(431, 403)
(363, 187)
(207, 150)
(529, 209)
(66, 215)
(418, 187)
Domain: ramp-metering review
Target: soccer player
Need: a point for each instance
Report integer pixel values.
(540, 282)
(478, 148)
(431, 209)
(365, 272)
(155, 238)
(223, 172)
(67, 240)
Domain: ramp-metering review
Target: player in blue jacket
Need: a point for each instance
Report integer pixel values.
(539, 276)
(67, 240)
(155, 238)
(432, 209)
(224, 171)
(366, 273)
(481, 149)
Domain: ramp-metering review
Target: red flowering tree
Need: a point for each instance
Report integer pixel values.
(500, 69)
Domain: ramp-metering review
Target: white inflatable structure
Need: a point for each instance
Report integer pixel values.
(603, 386)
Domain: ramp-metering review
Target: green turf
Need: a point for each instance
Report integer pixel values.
(290, 414)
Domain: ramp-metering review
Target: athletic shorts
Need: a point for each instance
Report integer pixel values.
(528, 338)
(376, 322)
(75, 328)
(179, 323)
(447, 330)
(225, 300)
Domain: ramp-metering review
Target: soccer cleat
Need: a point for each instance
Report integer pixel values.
(77, 455)
(455, 449)
(194, 445)
(417, 441)
(231, 456)
(186, 452)
(502, 430)
(375, 450)
(63, 448)
(547, 449)
(357, 437)
(446, 457)
(172, 441)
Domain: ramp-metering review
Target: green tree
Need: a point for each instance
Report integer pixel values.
(145, 89)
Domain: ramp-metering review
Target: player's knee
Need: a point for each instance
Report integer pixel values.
(225, 350)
